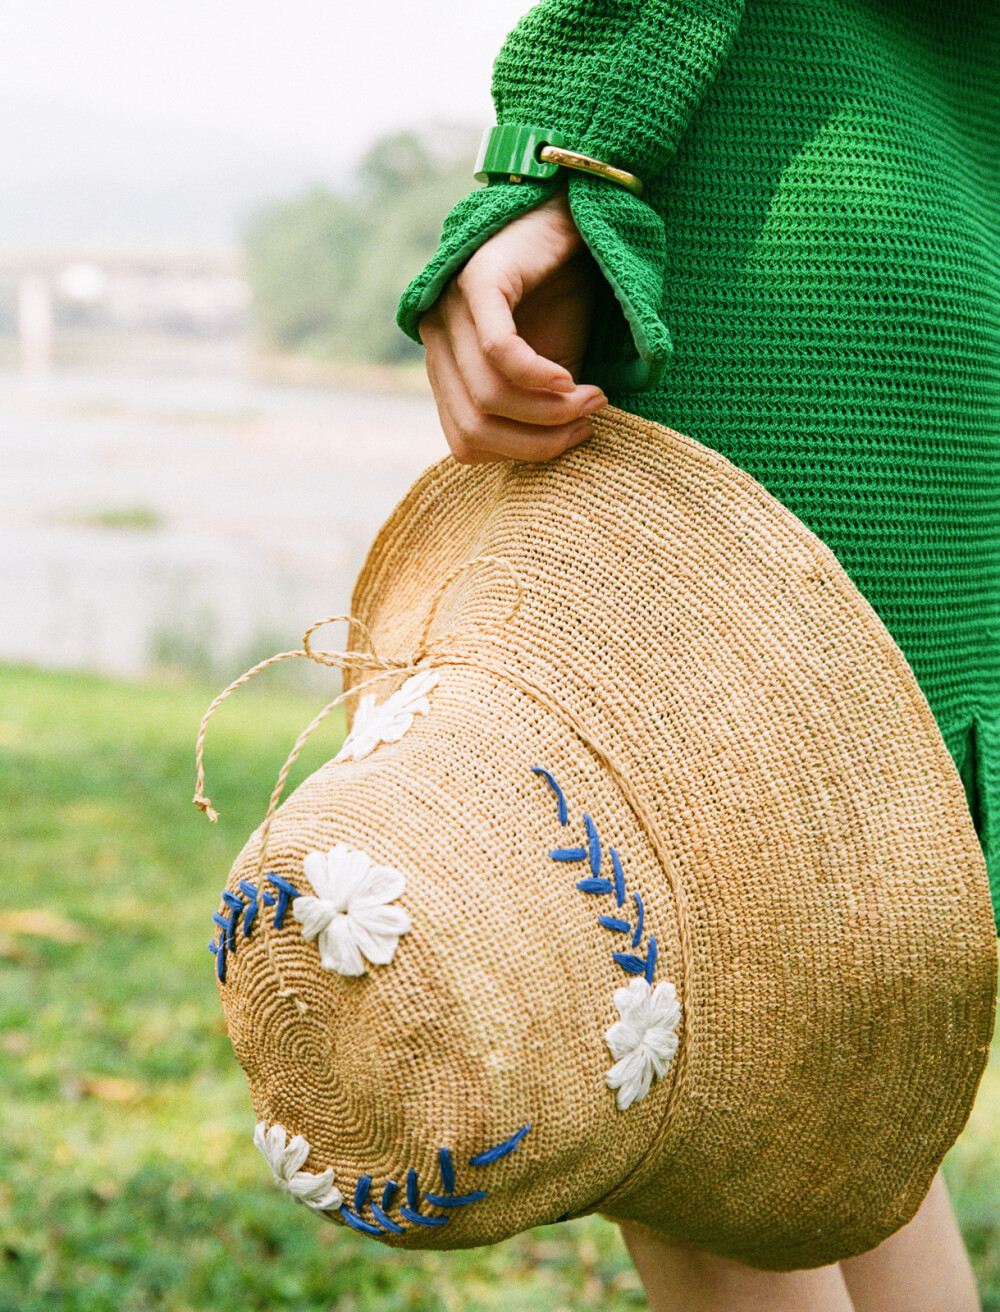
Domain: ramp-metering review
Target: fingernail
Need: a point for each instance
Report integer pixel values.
(580, 432)
(562, 384)
(596, 404)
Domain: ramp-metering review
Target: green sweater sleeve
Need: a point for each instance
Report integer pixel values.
(620, 79)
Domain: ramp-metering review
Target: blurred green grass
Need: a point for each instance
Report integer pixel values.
(128, 1180)
(127, 1176)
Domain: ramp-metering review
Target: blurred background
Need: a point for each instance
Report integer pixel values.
(207, 213)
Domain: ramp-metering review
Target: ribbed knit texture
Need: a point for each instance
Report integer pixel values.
(812, 282)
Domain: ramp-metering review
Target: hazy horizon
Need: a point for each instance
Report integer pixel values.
(121, 121)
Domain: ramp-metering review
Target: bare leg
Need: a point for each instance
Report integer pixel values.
(922, 1268)
(680, 1279)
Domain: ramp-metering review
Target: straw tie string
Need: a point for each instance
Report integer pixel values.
(427, 651)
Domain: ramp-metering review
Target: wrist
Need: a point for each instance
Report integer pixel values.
(557, 210)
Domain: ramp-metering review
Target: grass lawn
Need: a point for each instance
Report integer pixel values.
(128, 1181)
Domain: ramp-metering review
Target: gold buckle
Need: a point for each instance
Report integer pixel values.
(571, 159)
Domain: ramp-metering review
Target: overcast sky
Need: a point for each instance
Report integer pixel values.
(321, 77)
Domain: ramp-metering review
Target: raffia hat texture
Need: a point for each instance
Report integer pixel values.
(643, 884)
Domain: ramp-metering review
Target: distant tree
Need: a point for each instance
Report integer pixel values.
(326, 270)
(395, 165)
(301, 256)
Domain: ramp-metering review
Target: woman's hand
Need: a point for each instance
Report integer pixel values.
(506, 339)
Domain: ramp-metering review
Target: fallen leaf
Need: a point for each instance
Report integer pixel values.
(42, 924)
(109, 1088)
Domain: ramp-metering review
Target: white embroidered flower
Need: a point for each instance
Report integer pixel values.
(373, 724)
(316, 1191)
(644, 1040)
(349, 914)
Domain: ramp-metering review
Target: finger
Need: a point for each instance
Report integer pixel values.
(491, 300)
(463, 453)
(475, 433)
(493, 393)
(459, 448)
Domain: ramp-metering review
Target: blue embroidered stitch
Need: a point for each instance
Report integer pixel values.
(501, 1149)
(236, 908)
(560, 799)
(616, 861)
(642, 916)
(286, 893)
(409, 1211)
(417, 1219)
(252, 904)
(651, 959)
(593, 846)
(364, 1226)
(228, 928)
(630, 962)
(634, 965)
(384, 1221)
(227, 941)
(455, 1200)
(595, 886)
(220, 958)
(447, 1170)
(612, 922)
(250, 891)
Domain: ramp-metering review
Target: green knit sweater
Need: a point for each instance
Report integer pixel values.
(810, 283)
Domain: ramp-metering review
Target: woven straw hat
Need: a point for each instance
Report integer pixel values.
(644, 884)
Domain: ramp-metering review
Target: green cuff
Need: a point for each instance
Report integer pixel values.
(628, 241)
(631, 344)
(475, 218)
